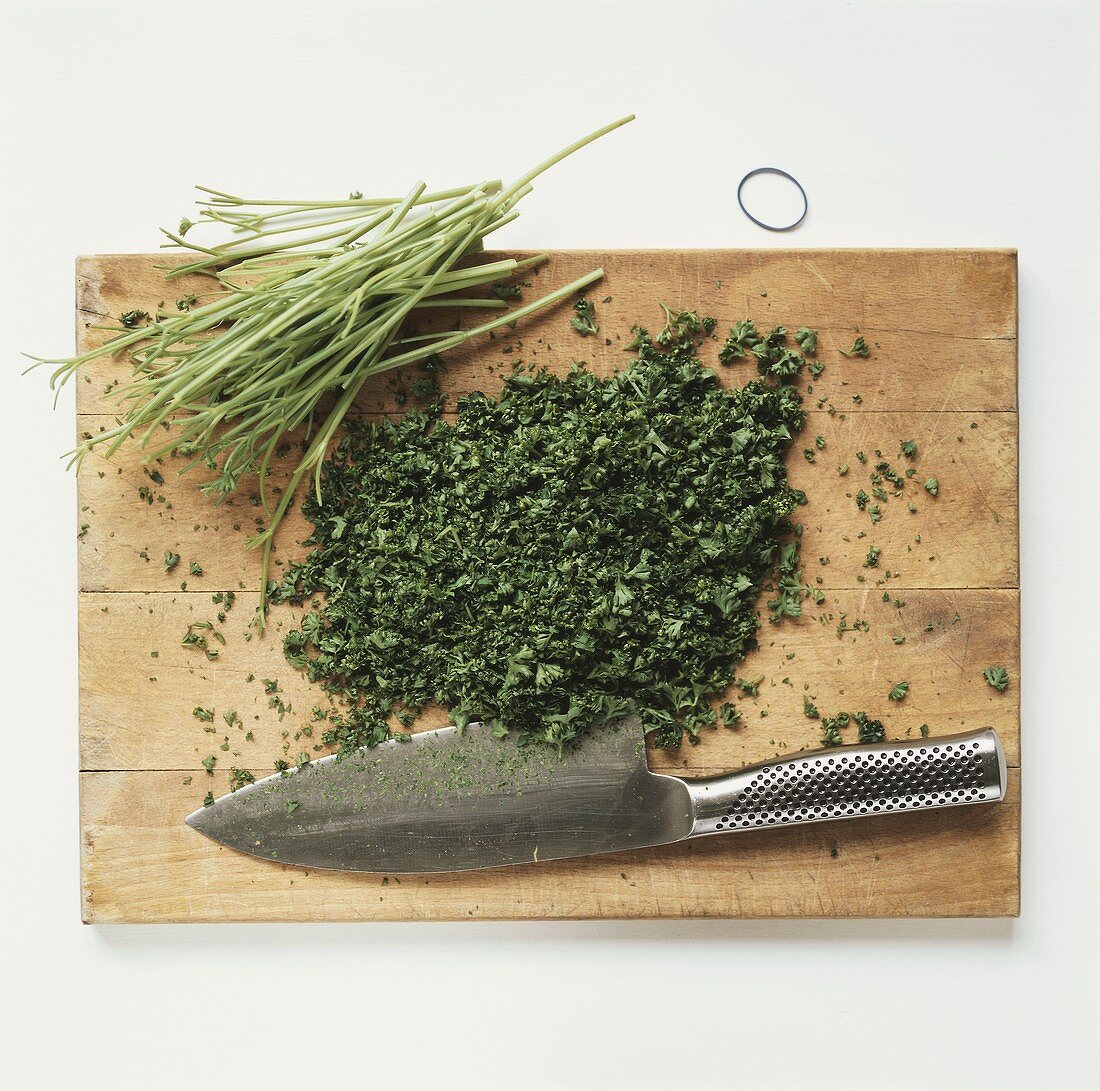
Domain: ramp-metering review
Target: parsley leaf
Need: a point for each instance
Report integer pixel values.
(858, 349)
(584, 318)
(132, 319)
(807, 340)
(869, 730)
(743, 338)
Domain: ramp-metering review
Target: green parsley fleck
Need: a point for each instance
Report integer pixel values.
(132, 319)
(858, 349)
(730, 714)
(807, 340)
(238, 778)
(831, 727)
(584, 318)
(869, 730)
(743, 338)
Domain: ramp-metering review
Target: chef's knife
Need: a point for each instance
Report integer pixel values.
(451, 800)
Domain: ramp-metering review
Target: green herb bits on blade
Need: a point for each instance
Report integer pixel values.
(555, 552)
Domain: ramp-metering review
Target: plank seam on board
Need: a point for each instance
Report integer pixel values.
(855, 411)
(866, 328)
(934, 333)
(214, 588)
(109, 893)
(695, 771)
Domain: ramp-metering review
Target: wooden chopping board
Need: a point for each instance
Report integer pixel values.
(942, 329)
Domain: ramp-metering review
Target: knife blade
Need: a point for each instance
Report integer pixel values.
(450, 800)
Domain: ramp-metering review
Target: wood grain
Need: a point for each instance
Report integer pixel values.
(137, 709)
(942, 327)
(943, 321)
(967, 534)
(141, 864)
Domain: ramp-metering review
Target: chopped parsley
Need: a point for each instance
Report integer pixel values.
(831, 727)
(742, 339)
(132, 319)
(238, 778)
(681, 325)
(807, 340)
(750, 689)
(869, 730)
(730, 714)
(578, 543)
(584, 318)
(858, 349)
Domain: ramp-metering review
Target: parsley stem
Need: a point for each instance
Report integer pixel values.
(312, 299)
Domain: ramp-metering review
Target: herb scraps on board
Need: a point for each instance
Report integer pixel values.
(557, 552)
(309, 299)
(868, 730)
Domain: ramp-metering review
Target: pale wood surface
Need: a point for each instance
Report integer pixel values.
(142, 864)
(137, 710)
(942, 327)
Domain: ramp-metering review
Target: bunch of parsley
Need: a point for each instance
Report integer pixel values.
(554, 553)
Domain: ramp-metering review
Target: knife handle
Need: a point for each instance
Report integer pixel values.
(850, 781)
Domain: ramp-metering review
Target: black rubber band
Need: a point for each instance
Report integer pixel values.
(782, 174)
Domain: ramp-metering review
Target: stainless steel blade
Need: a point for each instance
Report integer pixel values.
(451, 801)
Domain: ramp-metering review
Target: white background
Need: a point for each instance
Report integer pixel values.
(911, 124)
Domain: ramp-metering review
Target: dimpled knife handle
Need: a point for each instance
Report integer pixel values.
(850, 781)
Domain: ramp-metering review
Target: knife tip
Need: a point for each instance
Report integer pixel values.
(194, 819)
